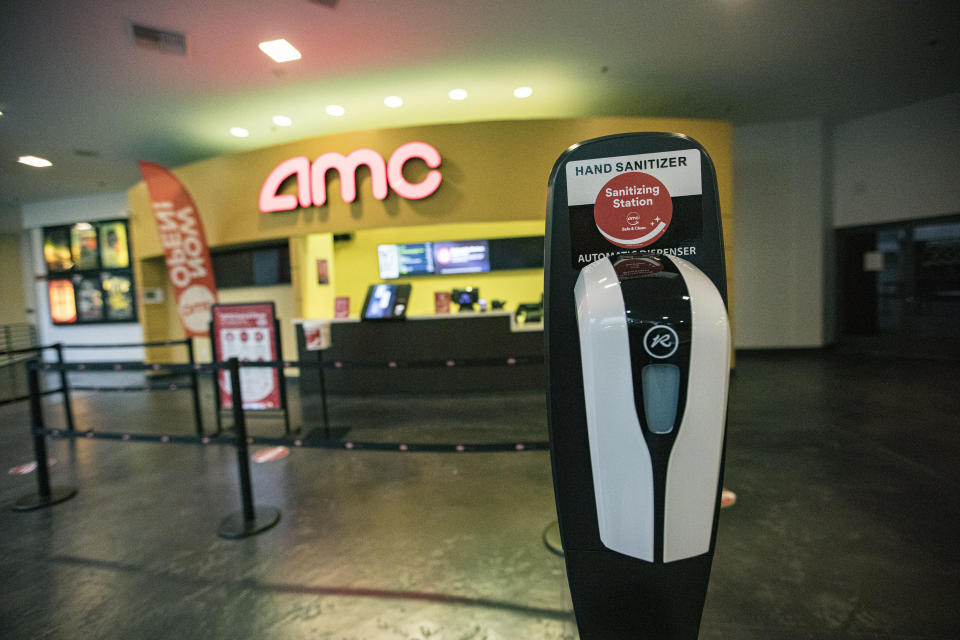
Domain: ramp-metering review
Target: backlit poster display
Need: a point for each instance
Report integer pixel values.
(247, 332)
(90, 279)
(118, 292)
(114, 253)
(89, 299)
(56, 249)
(83, 246)
(63, 304)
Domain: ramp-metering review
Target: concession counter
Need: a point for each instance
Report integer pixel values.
(460, 352)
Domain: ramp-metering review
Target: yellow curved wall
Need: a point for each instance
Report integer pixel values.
(493, 172)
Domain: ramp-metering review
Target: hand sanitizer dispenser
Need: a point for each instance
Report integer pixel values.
(638, 347)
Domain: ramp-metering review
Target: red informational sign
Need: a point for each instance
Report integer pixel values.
(441, 301)
(323, 271)
(184, 247)
(247, 332)
(341, 307)
(633, 210)
(316, 334)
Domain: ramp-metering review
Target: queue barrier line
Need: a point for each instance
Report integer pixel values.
(251, 519)
(128, 345)
(299, 443)
(64, 368)
(125, 388)
(193, 369)
(10, 352)
(48, 392)
(176, 367)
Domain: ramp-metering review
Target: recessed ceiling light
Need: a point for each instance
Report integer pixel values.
(280, 50)
(282, 121)
(393, 101)
(458, 94)
(335, 110)
(34, 161)
(239, 132)
(522, 92)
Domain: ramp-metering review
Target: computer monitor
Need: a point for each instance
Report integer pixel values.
(386, 302)
(466, 297)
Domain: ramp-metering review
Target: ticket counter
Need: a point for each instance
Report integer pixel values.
(480, 181)
(441, 338)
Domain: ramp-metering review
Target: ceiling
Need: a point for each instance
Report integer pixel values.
(76, 89)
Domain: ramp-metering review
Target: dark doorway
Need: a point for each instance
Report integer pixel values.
(900, 288)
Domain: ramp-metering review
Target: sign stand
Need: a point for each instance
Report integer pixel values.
(250, 520)
(250, 332)
(282, 379)
(46, 495)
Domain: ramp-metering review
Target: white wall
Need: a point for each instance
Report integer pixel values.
(779, 233)
(898, 164)
(54, 212)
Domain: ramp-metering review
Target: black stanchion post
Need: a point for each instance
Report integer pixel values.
(323, 399)
(215, 358)
(46, 495)
(8, 360)
(251, 520)
(65, 387)
(281, 380)
(195, 383)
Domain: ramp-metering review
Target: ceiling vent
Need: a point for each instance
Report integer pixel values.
(332, 4)
(163, 41)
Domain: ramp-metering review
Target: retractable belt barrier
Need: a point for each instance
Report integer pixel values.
(250, 520)
(63, 367)
(288, 364)
(36, 350)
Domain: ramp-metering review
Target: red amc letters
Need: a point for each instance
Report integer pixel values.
(311, 178)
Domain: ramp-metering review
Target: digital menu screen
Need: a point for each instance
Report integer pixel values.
(399, 260)
(459, 256)
(462, 256)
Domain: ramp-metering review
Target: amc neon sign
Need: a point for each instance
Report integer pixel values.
(312, 177)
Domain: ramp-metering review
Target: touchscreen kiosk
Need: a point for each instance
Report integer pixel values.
(638, 347)
(386, 302)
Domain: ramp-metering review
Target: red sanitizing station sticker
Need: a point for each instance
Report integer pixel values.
(633, 210)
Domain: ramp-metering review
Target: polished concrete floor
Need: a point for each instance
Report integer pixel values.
(847, 523)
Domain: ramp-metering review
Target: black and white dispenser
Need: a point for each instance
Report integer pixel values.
(638, 347)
